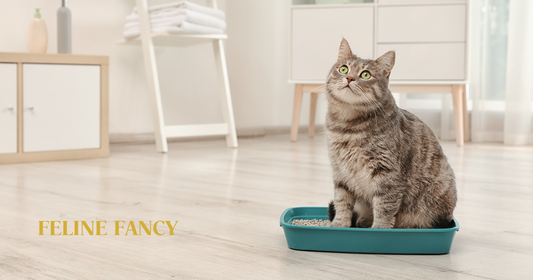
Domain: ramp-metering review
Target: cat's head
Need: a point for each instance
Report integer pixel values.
(358, 81)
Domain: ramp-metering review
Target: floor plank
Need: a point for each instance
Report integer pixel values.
(228, 203)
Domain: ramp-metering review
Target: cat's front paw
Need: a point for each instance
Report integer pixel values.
(337, 223)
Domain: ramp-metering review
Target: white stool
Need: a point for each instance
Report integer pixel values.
(460, 112)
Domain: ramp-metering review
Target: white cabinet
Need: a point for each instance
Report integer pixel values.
(316, 36)
(61, 107)
(53, 107)
(427, 62)
(429, 37)
(8, 108)
(429, 40)
(422, 24)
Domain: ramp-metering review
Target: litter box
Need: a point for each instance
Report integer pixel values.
(362, 240)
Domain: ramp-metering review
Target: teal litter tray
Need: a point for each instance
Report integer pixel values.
(362, 240)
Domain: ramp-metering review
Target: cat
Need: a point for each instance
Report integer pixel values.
(389, 170)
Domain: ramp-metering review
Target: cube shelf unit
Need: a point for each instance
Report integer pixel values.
(53, 107)
(430, 38)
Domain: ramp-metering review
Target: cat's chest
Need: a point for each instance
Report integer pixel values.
(353, 164)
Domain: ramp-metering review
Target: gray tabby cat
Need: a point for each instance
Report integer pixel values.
(388, 167)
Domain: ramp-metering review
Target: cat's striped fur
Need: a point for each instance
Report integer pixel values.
(388, 167)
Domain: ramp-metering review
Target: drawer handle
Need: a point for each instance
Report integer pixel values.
(31, 108)
(11, 108)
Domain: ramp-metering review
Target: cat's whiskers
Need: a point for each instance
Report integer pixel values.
(373, 102)
(377, 104)
(320, 88)
(341, 85)
(370, 103)
(357, 90)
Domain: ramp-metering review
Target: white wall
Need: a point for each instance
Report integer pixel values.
(257, 55)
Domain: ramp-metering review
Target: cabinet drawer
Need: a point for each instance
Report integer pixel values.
(8, 108)
(317, 33)
(418, 62)
(61, 107)
(424, 23)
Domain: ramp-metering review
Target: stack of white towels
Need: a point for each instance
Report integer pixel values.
(178, 17)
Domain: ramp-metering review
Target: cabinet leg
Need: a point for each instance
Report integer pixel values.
(458, 111)
(297, 106)
(312, 114)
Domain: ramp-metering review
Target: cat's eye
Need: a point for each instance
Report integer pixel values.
(343, 69)
(365, 75)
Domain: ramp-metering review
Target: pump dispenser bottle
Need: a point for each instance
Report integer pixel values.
(63, 29)
(37, 35)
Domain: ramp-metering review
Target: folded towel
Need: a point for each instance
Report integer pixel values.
(186, 6)
(183, 27)
(176, 17)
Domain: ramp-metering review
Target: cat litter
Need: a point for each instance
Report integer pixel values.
(313, 223)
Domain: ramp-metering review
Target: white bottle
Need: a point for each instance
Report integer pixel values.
(64, 44)
(37, 36)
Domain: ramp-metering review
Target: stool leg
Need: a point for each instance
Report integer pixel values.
(297, 106)
(458, 109)
(312, 114)
(466, 123)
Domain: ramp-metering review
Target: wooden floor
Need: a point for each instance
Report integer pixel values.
(228, 203)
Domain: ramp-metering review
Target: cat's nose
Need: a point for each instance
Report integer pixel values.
(350, 79)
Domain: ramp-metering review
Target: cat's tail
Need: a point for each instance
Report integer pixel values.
(331, 211)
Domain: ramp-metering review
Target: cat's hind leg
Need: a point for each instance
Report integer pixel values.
(364, 213)
(331, 214)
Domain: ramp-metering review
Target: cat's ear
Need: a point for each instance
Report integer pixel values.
(344, 51)
(386, 62)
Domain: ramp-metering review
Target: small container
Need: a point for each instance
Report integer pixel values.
(362, 240)
(37, 35)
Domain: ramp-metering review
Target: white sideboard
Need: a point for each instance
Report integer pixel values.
(8, 111)
(53, 107)
(428, 36)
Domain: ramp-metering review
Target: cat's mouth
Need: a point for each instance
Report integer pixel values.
(348, 86)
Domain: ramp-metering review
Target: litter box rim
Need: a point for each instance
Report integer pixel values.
(284, 222)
